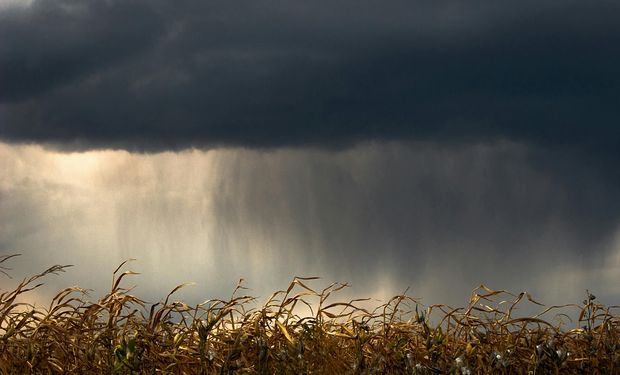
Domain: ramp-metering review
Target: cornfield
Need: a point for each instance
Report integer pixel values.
(122, 334)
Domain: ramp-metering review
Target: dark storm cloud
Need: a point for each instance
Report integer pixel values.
(57, 42)
(147, 75)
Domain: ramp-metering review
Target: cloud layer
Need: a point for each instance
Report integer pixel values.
(153, 75)
(411, 142)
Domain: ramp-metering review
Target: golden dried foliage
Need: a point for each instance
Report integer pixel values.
(120, 334)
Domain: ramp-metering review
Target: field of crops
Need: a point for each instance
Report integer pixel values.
(299, 330)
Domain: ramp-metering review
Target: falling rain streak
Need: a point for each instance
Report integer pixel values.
(381, 216)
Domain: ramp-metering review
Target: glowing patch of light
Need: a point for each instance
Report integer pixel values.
(5, 4)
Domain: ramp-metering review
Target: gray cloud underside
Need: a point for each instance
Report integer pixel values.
(154, 75)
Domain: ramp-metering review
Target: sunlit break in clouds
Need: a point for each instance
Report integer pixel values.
(430, 145)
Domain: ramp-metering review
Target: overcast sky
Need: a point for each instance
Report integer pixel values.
(436, 145)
